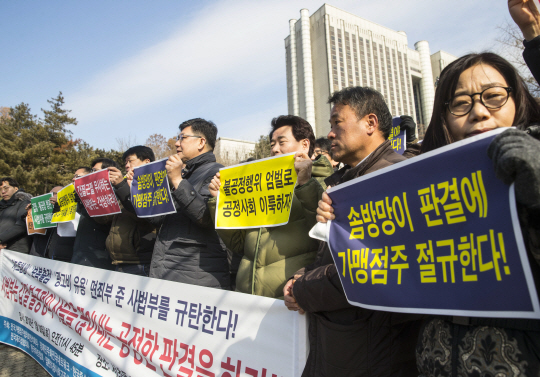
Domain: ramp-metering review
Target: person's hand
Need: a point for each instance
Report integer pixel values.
(407, 123)
(526, 16)
(303, 166)
(214, 185)
(325, 211)
(28, 206)
(515, 159)
(54, 199)
(174, 167)
(129, 177)
(115, 176)
(290, 300)
(2, 246)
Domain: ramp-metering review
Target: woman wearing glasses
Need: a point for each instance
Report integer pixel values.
(478, 93)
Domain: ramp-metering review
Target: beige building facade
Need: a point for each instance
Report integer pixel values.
(232, 151)
(333, 49)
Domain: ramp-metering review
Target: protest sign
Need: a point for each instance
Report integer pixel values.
(30, 224)
(256, 194)
(436, 234)
(76, 320)
(69, 228)
(150, 191)
(42, 211)
(398, 137)
(96, 194)
(67, 203)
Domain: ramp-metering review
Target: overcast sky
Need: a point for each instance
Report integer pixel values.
(134, 68)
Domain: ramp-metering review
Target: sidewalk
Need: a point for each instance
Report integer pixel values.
(15, 363)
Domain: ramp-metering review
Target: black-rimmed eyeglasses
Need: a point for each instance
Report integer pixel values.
(492, 98)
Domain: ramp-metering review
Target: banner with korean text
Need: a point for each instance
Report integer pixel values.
(42, 211)
(436, 234)
(256, 194)
(81, 321)
(97, 194)
(150, 191)
(398, 137)
(67, 203)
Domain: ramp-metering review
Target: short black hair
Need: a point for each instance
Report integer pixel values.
(86, 169)
(10, 181)
(107, 163)
(324, 143)
(364, 100)
(141, 151)
(301, 129)
(202, 127)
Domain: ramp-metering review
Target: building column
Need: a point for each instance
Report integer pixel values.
(308, 68)
(294, 68)
(427, 87)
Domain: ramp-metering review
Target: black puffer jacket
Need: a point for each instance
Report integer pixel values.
(188, 249)
(13, 222)
(89, 248)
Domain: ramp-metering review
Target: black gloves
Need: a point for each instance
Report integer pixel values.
(408, 124)
(516, 158)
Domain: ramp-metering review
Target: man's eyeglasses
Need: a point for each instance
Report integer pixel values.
(75, 176)
(182, 137)
(492, 98)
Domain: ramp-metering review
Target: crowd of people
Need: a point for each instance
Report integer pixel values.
(476, 93)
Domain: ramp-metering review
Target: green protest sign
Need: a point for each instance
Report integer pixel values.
(42, 211)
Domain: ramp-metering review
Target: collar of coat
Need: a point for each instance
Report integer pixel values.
(195, 162)
(347, 173)
(20, 195)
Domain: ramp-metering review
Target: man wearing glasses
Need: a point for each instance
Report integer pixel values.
(188, 249)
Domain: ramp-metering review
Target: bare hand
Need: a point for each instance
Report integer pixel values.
(174, 167)
(2, 246)
(303, 166)
(115, 176)
(526, 16)
(214, 185)
(129, 177)
(290, 300)
(325, 211)
(28, 206)
(54, 199)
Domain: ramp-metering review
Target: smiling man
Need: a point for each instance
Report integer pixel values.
(271, 255)
(346, 340)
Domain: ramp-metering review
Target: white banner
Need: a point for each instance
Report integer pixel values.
(82, 321)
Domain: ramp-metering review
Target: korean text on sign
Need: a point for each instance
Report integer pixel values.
(448, 241)
(256, 194)
(42, 211)
(96, 194)
(30, 224)
(67, 203)
(150, 191)
(398, 136)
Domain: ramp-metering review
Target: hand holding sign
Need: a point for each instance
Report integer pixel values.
(174, 169)
(115, 176)
(303, 166)
(325, 211)
(214, 185)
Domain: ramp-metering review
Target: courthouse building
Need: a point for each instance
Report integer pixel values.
(333, 49)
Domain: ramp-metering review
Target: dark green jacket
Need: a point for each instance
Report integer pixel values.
(272, 255)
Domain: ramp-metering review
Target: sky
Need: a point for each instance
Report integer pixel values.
(129, 69)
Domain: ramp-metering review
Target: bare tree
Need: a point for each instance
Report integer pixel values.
(511, 40)
(4, 112)
(160, 145)
(126, 142)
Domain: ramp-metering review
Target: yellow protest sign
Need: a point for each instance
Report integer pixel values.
(256, 194)
(68, 205)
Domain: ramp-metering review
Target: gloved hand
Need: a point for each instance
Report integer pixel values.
(516, 159)
(408, 124)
